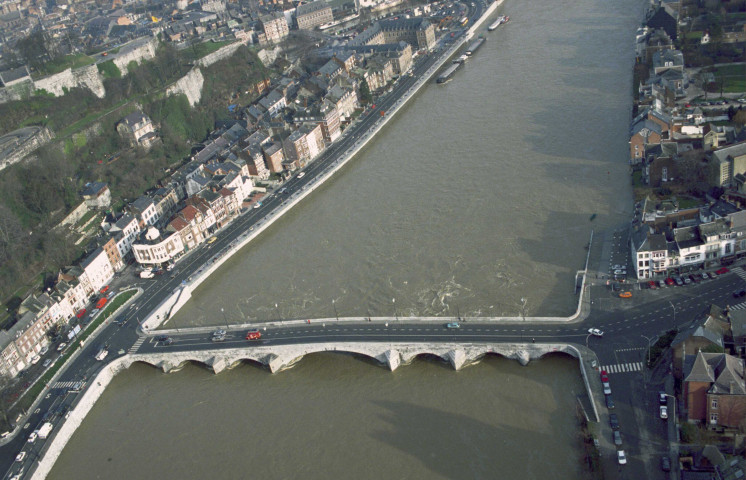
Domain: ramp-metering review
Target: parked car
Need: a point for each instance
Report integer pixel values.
(652, 285)
(662, 399)
(705, 276)
(669, 281)
(678, 281)
(722, 270)
(661, 283)
(617, 438)
(61, 346)
(687, 280)
(47, 363)
(621, 457)
(663, 412)
(607, 388)
(609, 402)
(44, 350)
(665, 463)
(35, 359)
(614, 421)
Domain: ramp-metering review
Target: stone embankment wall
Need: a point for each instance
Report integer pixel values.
(269, 55)
(15, 92)
(135, 53)
(73, 217)
(15, 151)
(219, 54)
(84, 77)
(190, 85)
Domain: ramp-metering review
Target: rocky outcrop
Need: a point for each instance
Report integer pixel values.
(135, 51)
(190, 85)
(269, 55)
(17, 145)
(219, 54)
(84, 77)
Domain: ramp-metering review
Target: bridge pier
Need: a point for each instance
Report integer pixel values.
(457, 358)
(523, 357)
(393, 359)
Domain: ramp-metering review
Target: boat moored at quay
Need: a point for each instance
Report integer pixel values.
(475, 46)
(446, 75)
(500, 20)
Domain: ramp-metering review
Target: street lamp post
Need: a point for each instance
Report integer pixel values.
(334, 304)
(674, 311)
(396, 315)
(279, 318)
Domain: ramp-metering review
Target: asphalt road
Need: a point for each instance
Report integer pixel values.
(625, 321)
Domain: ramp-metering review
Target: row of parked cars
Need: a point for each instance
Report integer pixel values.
(621, 457)
(686, 279)
(665, 461)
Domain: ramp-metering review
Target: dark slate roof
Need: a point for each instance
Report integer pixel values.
(142, 203)
(91, 189)
(311, 7)
(14, 74)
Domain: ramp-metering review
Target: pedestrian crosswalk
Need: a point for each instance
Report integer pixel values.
(64, 385)
(623, 367)
(740, 272)
(739, 306)
(633, 349)
(137, 344)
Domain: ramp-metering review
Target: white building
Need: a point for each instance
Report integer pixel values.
(152, 249)
(97, 270)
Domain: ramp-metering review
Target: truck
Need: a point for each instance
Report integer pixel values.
(102, 354)
(44, 430)
(101, 302)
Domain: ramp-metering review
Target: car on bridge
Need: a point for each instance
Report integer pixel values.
(453, 325)
(596, 332)
(253, 335)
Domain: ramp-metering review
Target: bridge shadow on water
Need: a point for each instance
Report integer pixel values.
(459, 445)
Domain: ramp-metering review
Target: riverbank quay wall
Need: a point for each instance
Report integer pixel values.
(180, 296)
(278, 358)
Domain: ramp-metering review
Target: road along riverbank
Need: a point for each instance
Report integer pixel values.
(181, 295)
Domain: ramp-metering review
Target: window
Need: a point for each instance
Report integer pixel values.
(713, 418)
(714, 403)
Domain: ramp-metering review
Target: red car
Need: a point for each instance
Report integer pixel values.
(652, 285)
(81, 313)
(101, 302)
(669, 281)
(254, 335)
(104, 289)
(722, 270)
